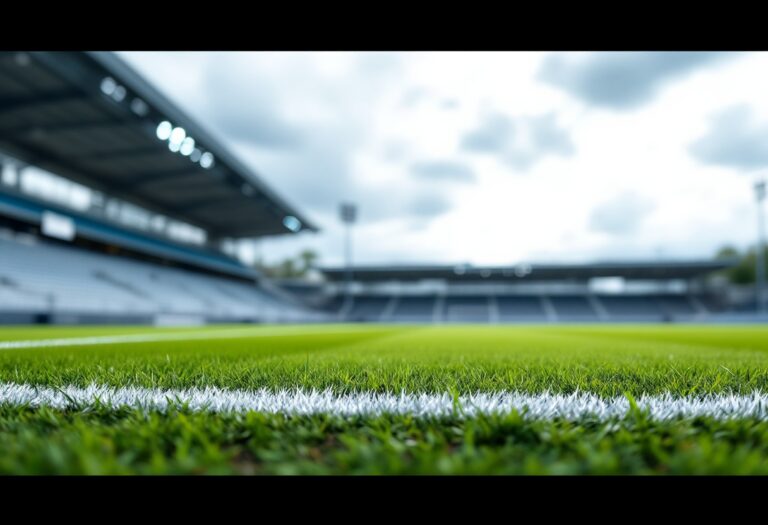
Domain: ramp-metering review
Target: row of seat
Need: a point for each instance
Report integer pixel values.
(489, 308)
(39, 276)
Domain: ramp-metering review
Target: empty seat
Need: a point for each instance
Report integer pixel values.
(414, 308)
(631, 306)
(46, 277)
(368, 308)
(520, 307)
(676, 305)
(573, 307)
(472, 309)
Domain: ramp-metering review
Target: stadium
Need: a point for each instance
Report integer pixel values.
(124, 311)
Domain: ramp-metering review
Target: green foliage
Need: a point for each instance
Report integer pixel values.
(744, 272)
(292, 267)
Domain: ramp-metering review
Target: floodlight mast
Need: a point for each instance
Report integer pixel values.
(348, 213)
(760, 291)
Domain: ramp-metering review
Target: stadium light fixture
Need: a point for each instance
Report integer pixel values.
(112, 89)
(522, 270)
(164, 129)
(139, 107)
(178, 135)
(292, 223)
(348, 214)
(119, 93)
(187, 146)
(760, 291)
(108, 86)
(460, 269)
(180, 142)
(206, 160)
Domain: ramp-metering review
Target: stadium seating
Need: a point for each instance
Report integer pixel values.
(631, 306)
(676, 305)
(519, 308)
(414, 309)
(37, 276)
(467, 309)
(368, 308)
(573, 308)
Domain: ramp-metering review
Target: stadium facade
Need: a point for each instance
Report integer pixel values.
(641, 291)
(116, 206)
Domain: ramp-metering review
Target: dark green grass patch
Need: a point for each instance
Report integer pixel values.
(132, 442)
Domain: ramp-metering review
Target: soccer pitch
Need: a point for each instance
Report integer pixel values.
(378, 399)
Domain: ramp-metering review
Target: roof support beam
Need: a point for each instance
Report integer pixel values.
(58, 128)
(118, 154)
(203, 203)
(142, 179)
(16, 103)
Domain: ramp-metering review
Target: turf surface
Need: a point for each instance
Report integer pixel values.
(604, 360)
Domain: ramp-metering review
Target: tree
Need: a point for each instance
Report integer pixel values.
(744, 271)
(308, 259)
(290, 268)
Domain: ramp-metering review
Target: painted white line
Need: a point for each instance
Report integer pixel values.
(157, 337)
(534, 406)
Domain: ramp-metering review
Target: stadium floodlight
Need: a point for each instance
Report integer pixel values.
(292, 223)
(348, 214)
(760, 291)
(163, 130)
(174, 146)
(139, 107)
(178, 135)
(119, 93)
(187, 146)
(521, 270)
(195, 155)
(206, 160)
(108, 86)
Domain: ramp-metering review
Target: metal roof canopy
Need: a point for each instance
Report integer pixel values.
(54, 115)
(534, 272)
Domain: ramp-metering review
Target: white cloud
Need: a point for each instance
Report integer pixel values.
(622, 215)
(362, 121)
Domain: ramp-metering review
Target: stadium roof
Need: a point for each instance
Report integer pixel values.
(534, 272)
(90, 117)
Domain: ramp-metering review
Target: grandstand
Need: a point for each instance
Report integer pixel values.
(116, 206)
(600, 292)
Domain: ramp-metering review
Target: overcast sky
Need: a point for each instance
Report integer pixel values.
(492, 158)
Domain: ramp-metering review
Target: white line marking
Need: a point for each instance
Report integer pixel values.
(157, 337)
(533, 406)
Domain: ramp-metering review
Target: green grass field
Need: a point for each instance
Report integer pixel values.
(608, 361)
